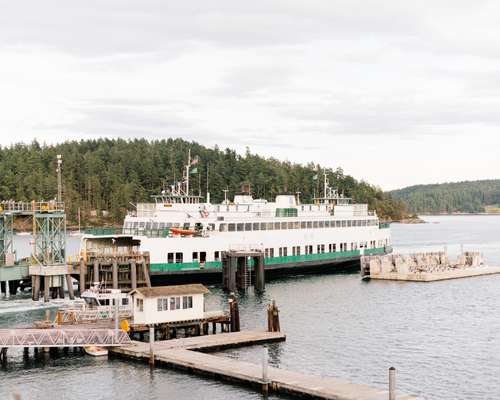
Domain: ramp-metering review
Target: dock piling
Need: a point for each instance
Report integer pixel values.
(115, 274)
(46, 288)
(69, 283)
(151, 343)
(265, 375)
(133, 274)
(392, 383)
(83, 272)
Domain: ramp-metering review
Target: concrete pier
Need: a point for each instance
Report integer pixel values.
(425, 267)
(189, 354)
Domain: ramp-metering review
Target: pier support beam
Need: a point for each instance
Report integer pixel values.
(7, 289)
(83, 273)
(146, 274)
(115, 274)
(69, 283)
(151, 343)
(97, 277)
(392, 383)
(133, 274)
(260, 278)
(46, 288)
(35, 288)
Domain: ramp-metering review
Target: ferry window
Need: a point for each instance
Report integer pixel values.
(296, 225)
(231, 227)
(285, 251)
(290, 225)
(349, 223)
(263, 226)
(280, 251)
(211, 227)
(176, 224)
(266, 253)
(309, 224)
(344, 224)
(203, 256)
(141, 224)
(248, 226)
(334, 247)
(136, 224)
(178, 257)
(327, 224)
(364, 223)
(170, 258)
(155, 225)
(329, 248)
(223, 227)
(187, 302)
(315, 224)
(195, 255)
(217, 256)
(186, 225)
(283, 225)
(168, 225)
(270, 226)
(303, 225)
(271, 252)
(140, 304)
(239, 227)
(256, 226)
(321, 224)
(276, 225)
(161, 225)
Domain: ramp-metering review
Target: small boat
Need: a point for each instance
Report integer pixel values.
(95, 351)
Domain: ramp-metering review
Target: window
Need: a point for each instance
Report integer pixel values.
(231, 227)
(239, 227)
(263, 226)
(309, 224)
(248, 226)
(349, 223)
(303, 224)
(315, 224)
(140, 304)
(187, 302)
(162, 304)
(321, 248)
(283, 225)
(290, 225)
(203, 256)
(256, 226)
(344, 224)
(195, 255)
(321, 224)
(223, 227)
(296, 250)
(125, 301)
(285, 251)
(175, 303)
(270, 226)
(309, 249)
(170, 258)
(276, 225)
(178, 257)
(327, 224)
(217, 256)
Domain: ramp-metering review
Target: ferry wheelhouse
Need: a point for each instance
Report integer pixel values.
(186, 235)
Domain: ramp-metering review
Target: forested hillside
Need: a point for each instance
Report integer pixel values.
(462, 197)
(107, 175)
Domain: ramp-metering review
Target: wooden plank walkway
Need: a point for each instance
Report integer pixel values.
(181, 354)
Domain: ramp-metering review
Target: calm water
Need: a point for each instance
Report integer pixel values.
(442, 337)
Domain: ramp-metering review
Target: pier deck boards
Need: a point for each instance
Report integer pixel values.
(438, 276)
(180, 354)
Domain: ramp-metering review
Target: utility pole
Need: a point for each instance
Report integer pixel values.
(59, 178)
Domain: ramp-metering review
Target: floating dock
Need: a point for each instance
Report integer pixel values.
(425, 267)
(189, 354)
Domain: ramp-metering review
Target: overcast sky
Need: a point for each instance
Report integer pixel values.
(395, 92)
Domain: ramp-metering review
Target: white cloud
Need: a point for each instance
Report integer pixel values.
(396, 93)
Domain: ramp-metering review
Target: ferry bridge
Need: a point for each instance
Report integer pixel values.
(62, 337)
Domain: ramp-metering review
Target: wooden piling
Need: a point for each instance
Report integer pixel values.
(151, 344)
(392, 383)
(273, 318)
(260, 279)
(234, 313)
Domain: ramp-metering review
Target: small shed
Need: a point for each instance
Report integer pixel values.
(165, 304)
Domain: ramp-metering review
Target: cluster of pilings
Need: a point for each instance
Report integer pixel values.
(241, 269)
(124, 271)
(51, 284)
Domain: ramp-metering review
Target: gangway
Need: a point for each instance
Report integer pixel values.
(62, 337)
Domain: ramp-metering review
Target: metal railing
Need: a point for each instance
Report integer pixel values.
(62, 337)
(27, 207)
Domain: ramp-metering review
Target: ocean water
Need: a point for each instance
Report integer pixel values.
(443, 337)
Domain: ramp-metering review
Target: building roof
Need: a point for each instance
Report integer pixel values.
(173, 290)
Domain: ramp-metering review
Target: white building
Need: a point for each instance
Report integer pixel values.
(168, 303)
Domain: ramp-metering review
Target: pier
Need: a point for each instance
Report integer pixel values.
(189, 354)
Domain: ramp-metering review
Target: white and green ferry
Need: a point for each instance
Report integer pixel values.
(186, 235)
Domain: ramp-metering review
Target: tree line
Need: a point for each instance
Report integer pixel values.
(460, 197)
(111, 174)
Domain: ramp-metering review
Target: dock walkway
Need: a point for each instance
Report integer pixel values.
(187, 354)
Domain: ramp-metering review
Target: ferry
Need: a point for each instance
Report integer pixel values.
(186, 235)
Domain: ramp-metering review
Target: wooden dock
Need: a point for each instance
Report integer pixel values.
(189, 354)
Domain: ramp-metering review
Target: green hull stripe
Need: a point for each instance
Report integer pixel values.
(160, 267)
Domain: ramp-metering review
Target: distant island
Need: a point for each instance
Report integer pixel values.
(468, 197)
(101, 178)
